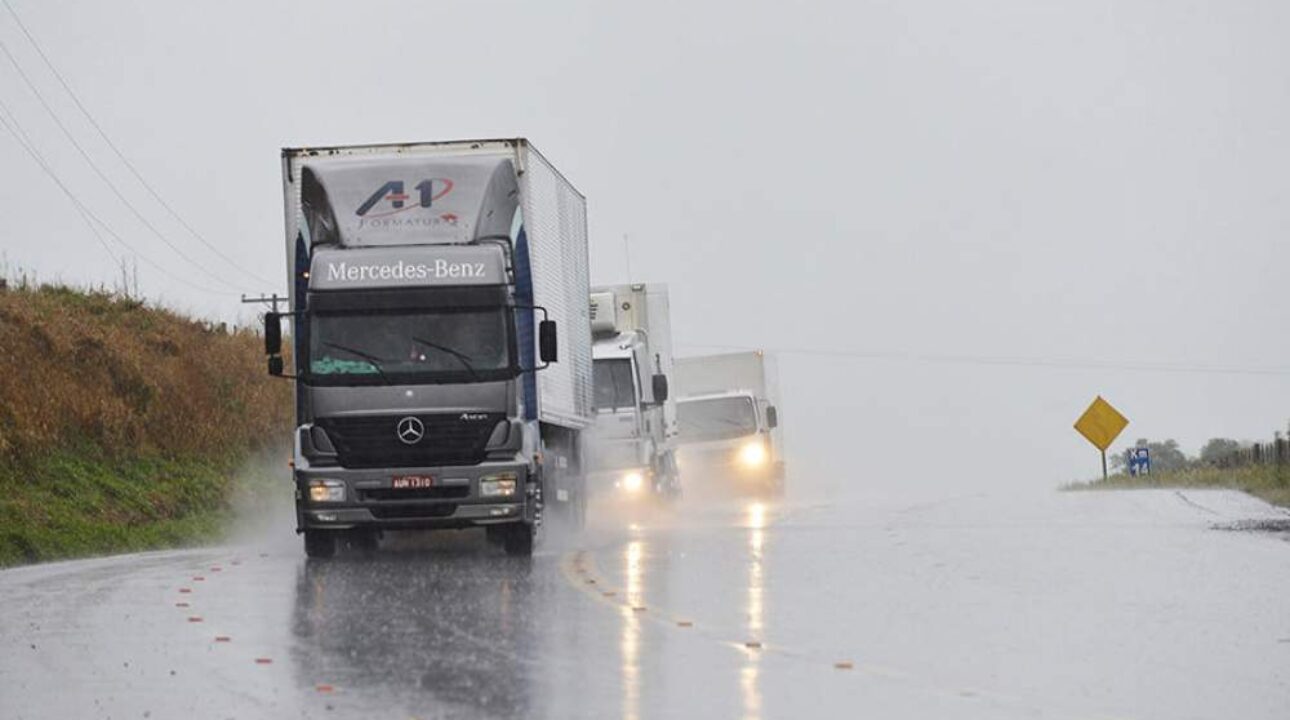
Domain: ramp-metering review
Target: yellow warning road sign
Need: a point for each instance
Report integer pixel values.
(1101, 423)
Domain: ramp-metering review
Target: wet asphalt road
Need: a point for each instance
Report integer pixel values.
(1064, 605)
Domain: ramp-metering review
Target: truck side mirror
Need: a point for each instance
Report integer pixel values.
(772, 417)
(275, 365)
(273, 335)
(660, 388)
(547, 346)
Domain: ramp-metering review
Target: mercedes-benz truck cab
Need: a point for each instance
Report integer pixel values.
(631, 453)
(442, 363)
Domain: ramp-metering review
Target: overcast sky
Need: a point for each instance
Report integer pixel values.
(1003, 208)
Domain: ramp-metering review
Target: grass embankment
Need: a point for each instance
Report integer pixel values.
(123, 426)
(1269, 482)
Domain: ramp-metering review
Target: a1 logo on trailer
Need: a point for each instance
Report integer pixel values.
(392, 192)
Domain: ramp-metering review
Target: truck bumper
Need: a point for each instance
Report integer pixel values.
(452, 501)
(722, 468)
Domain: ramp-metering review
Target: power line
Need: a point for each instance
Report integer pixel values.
(6, 118)
(99, 171)
(120, 155)
(25, 142)
(1044, 362)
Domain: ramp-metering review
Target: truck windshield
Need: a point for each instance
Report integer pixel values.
(614, 387)
(716, 418)
(378, 348)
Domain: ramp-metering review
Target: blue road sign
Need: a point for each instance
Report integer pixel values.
(1139, 461)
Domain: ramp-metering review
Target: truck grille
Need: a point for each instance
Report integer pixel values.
(372, 441)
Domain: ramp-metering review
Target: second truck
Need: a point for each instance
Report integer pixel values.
(632, 441)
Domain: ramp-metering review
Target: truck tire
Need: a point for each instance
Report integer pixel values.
(364, 541)
(320, 543)
(518, 540)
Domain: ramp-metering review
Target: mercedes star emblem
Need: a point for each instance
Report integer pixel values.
(410, 430)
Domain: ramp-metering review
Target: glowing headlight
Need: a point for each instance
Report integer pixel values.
(753, 454)
(326, 491)
(500, 485)
(632, 482)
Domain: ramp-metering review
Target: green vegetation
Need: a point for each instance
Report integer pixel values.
(80, 502)
(123, 426)
(1271, 482)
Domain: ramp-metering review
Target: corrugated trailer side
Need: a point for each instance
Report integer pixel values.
(555, 220)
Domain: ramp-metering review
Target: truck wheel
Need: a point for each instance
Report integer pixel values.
(518, 541)
(363, 541)
(320, 543)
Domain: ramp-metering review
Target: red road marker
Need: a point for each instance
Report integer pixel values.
(263, 661)
(844, 665)
(185, 590)
(324, 688)
(198, 578)
(216, 569)
(194, 618)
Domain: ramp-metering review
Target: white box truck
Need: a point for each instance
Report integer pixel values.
(728, 416)
(631, 451)
(442, 340)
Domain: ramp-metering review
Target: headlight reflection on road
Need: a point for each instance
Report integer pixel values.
(629, 644)
(750, 674)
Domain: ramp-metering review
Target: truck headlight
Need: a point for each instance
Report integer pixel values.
(632, 482)
(753, 454)
(499, 485)
(321, 491)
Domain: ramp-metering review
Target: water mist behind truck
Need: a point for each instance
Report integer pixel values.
(729, 422)
(442, 341)
(632, 449)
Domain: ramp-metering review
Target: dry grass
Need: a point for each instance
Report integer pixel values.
(90, 368)
(1269, 482)
(123, 426)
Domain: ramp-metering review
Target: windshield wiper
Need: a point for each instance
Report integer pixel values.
(461, 357)
(374, 361)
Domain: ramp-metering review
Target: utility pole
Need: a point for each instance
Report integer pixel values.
(263, 299)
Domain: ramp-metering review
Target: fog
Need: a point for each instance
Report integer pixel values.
(956, 223)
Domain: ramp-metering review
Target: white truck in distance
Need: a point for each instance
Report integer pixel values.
(631, 449)
(729, 422)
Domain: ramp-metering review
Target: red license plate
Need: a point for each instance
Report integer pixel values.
(412, 482)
